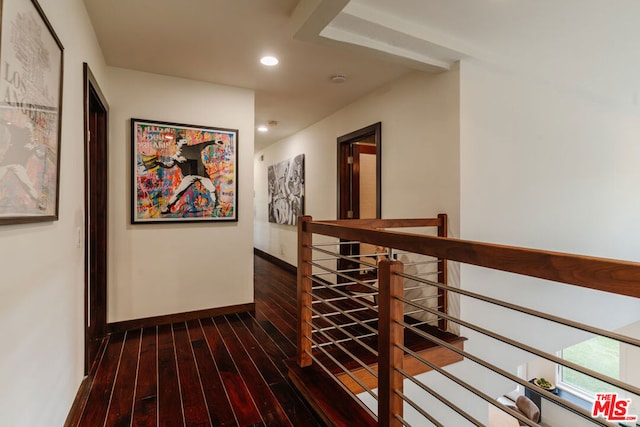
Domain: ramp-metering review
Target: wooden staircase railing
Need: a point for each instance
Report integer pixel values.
(335, 342)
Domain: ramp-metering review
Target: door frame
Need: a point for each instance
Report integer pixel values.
(344, 142)
(95, 239)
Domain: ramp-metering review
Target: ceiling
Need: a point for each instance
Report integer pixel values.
(371, 42)
(221, 41)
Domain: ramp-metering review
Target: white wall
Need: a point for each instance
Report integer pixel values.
(42, 285)
(549, 160)
(420, 172)
(157, 269)
(546, 163)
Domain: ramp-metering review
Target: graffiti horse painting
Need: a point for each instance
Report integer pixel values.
(183, 172)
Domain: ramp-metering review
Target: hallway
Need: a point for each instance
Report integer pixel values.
(223, 371)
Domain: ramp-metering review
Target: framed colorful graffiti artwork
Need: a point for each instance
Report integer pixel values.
(183, 173)
(30, 114)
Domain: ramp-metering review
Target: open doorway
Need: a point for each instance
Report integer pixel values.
(359, 160)
(95, 200)
(359, 187)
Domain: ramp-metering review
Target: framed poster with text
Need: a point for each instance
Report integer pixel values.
(31, 62)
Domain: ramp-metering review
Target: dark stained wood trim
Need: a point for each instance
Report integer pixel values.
(96, 87)
(330, 402)
(358, 150)
(348, 179)
(96, 118)
(343, 180)
(277, 261)
(79, 402)
(374, 130)
(387, 223)
(82, 396)
(128, 325)
(619, 277)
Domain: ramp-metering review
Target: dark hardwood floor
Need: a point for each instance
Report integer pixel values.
(222, 371)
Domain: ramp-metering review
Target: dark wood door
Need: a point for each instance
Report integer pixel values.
(96, 110)
(352, 150)
(359, 187)
(358, 180)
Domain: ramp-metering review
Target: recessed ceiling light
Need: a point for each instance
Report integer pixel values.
(263, 128)
(269, 61)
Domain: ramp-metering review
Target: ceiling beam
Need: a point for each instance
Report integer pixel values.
(310, 17)
(359, 27)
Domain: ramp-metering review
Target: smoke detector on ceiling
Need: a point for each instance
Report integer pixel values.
(338, 78)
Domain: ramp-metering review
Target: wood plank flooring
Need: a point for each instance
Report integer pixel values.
(223, 371)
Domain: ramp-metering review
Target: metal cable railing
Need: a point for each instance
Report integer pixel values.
(378, 327)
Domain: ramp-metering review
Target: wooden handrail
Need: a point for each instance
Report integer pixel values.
(618, 277)
(391, 308)
(608, 275)
(377, 223)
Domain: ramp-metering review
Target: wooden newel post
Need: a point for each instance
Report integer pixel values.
(304, 292)
(442, 275)
(391, 311)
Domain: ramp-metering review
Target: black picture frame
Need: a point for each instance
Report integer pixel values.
(31, 75)
(183, 173)
(286, 190)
